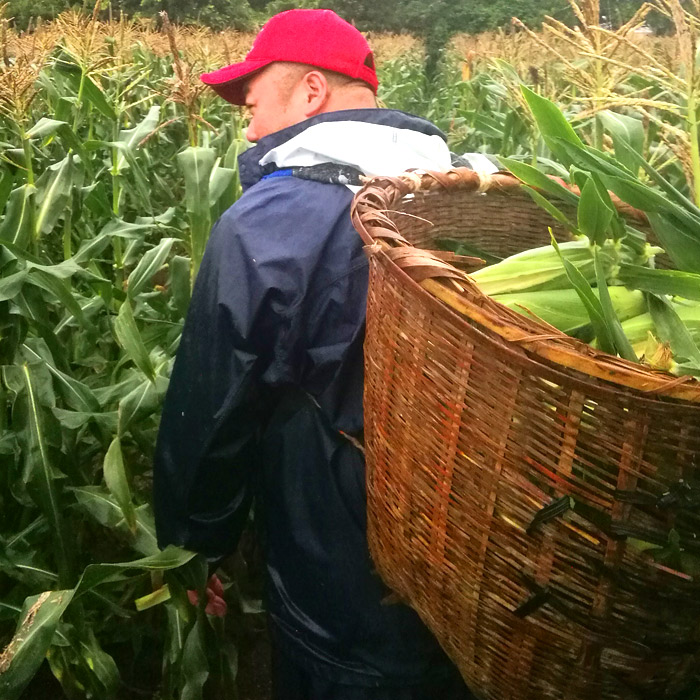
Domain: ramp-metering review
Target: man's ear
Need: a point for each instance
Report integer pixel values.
(316, 92)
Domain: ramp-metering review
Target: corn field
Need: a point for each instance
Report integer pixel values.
(114, 163)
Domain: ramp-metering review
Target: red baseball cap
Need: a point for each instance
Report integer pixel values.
(318, 38)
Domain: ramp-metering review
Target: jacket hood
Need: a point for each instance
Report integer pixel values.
(375, 141)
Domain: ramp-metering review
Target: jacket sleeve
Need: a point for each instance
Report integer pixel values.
(214, 408)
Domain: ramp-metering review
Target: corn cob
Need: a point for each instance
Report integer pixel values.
(563, 308)
(637, 329)
(541, 268)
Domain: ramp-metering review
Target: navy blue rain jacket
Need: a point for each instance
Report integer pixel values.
(269, 372)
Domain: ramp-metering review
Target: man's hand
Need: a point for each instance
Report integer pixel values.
(216, 605)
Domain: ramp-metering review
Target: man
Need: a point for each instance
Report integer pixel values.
(266, 392)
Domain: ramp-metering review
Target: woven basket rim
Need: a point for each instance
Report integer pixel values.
(454, 289)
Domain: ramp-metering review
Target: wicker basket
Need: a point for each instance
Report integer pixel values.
(512, 471)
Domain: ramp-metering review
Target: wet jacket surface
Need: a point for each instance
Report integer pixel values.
(269, 371)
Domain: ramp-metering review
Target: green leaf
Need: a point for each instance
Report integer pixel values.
(551, 122)
(97, 574)
(141, 402)
(679, 243)
(102, 506)
(90, 91)
(26, 651)
(673, 331)
(195, 667)
(76, 395)
(671, 192)
(622, 344)
(618, 179)
(627, 134)
(103, 668)
(116, 228)
(149, 264)
(221, 187)
(6, 181)
(590, 301)
(73, 420)
(117, 482)
(11, 285)
(594, 215)
(16, 227)
(556, 213)
(196, 165)
(33, 422)
(664, 282)
(61, 291)
(131, 138)
(537, 179)
(46, 127)
(129, 338)
(180, 284)
(53, 194)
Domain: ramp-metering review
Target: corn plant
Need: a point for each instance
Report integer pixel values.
(114, 163)
(105, 215)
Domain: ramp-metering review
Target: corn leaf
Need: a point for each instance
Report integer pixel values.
(196, 165)
(672, 192)
(118, 483)
(6, 182)
(73, 420)
(594, 215)
(101, 505)
(11, 285)
(537, 179)
(77, 395)
(663, 282)
(53, 194)
(116, 228)
(46, 127)
(90, 91)
(149, 264)
(98, 574)
(195, 666)
(131, 138)
(16, 227)
(556, 213)
(41, 615)
(622, 344)
(141, 402)
(672, 330)
(627, 134)
(180, 283)
(551, 123)
(590, 301)
(679, 243)
(129, 338)
(630, 190)
(61, 291)
(35, 632)
(38, 435)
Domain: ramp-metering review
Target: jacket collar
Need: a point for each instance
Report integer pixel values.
(250, 170)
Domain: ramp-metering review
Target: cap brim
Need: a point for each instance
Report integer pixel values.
(228, 82)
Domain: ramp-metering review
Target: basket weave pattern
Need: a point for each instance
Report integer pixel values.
(473, 443)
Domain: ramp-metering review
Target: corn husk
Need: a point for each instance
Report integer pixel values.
(542, 269)
(563, 308)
